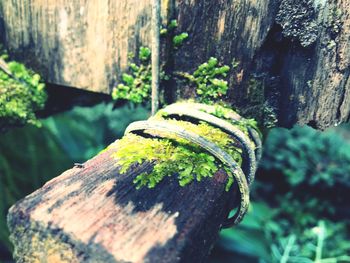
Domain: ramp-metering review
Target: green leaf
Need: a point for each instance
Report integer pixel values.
(144, 53)
(179, 39)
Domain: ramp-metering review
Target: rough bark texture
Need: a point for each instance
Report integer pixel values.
(316, 76)
(294, 55)
(94, 214)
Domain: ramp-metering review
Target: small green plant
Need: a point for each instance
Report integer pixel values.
(136, 86)
(144, 54)
(179, 39)
(312, 246)
(20, 96)
(173, 24)
(209, 80)
(171, 27)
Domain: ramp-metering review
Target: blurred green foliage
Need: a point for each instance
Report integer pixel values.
(306, 156)
(20, 96)
(30, 156)
(299, 211)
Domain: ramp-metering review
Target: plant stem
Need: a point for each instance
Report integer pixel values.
(288, 249)
(155, 54)
(320, 241)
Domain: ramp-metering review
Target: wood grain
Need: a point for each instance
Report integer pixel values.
(85, 44)
(82, 44)
(95, 214)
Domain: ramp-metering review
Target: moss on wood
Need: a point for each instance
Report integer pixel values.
(178, 157)
(22, 93)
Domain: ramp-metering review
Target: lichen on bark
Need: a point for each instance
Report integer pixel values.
(298, 19)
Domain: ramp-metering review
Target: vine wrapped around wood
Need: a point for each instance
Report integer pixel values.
(249, 143)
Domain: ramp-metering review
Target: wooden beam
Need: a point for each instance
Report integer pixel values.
(83, 44)
(294, 60)
(92, 213)
(294, 56)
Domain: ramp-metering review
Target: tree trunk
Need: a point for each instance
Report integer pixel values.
(294, 55)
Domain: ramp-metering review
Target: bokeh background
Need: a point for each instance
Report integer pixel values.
(300, 208)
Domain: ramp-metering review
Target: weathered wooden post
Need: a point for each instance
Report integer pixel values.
(94, 214)
(294, 68)
(293, 57)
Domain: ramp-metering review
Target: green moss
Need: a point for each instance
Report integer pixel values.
(175, 156)
(38, 242)
(226, 113)
(21, 96)
(209, 80)
(136, 85)
(179, 39)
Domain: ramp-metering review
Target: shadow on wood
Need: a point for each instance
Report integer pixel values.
(94, 214)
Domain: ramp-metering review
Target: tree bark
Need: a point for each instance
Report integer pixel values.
(294, 55)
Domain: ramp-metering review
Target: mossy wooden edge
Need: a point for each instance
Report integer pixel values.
(223, 156)
(94, 212)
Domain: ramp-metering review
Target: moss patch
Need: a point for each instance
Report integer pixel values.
(209, 80)
(20, 96)
(178, 157)
(33, 247)
(243, 124)
(36, 242)
(136, 85)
